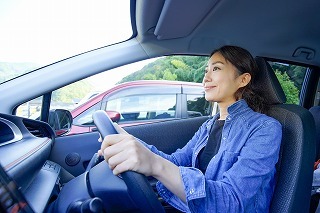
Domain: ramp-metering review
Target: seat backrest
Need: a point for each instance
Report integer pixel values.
(315, 111)
(297, 152)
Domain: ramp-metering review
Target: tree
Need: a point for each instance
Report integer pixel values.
(167, 75)
(290, 90)
(295, 73)
(69, 93)
(149, 76)
(191, 69)
(179, 68)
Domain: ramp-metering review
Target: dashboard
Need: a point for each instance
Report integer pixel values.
(25, 146)
(30, 182)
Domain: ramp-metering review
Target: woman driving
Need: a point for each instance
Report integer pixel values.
(229, 164)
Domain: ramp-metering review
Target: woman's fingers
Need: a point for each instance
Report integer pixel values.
(117, 159)
(123, 152)
(114, 149)
(114, 144)
(100, 153)
(122, 156)
(123, 167)
(111, 140)
(119, 129)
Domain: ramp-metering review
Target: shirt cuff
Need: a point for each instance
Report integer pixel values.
(194, 183)
(170, 198)
(194, 187)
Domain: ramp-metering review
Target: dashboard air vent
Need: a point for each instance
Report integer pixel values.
(36, 129)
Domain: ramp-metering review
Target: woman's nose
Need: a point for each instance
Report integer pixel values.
(205, 77)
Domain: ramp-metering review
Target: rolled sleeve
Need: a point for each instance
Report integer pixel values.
(194, 186)
(193, 182)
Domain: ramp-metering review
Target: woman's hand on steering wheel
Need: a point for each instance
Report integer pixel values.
(123, 153)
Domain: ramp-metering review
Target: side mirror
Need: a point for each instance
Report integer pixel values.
(113, 115)
(60, 120)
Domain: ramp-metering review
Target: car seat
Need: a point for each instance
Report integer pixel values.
(296, 157)
(315, 111)
(315, 193)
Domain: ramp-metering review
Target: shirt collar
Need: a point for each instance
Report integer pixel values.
(237, 107)
(234, 109)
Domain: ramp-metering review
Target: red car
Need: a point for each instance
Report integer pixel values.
(137, 102)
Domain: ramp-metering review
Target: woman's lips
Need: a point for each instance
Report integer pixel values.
(206, 88)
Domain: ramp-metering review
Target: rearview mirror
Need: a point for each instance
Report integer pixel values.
(60, 120)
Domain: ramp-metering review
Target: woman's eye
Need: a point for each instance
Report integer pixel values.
(215, 68)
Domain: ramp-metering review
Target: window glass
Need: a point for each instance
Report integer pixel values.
(35, 33)
(143, 107)
(30, 109)
(197, 106)
(85, 118)
(78, 97)
(317, 95)
(291, 78)
(68, 97)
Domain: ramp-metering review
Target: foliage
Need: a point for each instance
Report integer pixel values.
(290, 90)
(72, 92)
(64, 95)
(190, 68)
(179, 68)
(294, 72)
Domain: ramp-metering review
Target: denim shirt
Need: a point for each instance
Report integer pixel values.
(240, 177)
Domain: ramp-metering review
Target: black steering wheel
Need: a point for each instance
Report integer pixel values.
(139, 188)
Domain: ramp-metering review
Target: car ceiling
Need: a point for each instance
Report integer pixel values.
(287, 30)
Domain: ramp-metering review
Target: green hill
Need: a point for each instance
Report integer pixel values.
(179, 68)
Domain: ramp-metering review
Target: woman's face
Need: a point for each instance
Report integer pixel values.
(221, 80)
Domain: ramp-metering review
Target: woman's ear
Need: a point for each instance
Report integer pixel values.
(245, 78)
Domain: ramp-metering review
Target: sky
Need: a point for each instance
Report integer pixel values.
(108, 79)
(45, 31)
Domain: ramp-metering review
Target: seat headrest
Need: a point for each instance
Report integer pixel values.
(267, 84)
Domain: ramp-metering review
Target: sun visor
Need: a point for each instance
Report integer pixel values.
(176, 21)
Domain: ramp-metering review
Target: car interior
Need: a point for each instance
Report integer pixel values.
(45, 170)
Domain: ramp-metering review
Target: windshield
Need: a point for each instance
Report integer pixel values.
(36, 33)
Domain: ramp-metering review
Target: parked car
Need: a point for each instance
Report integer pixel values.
(44, 172)
(139, 102)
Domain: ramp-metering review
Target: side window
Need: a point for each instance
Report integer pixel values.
(68, 97)
(291, 78)
(197, 106)
(77, 97)
(143, 107)
(30, 109)
(85, 118)
(317, 95)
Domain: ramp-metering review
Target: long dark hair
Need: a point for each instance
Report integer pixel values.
(245, 63)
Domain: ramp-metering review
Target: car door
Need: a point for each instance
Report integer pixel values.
(74, 152)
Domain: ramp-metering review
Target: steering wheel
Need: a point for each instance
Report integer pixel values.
(139, 188)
